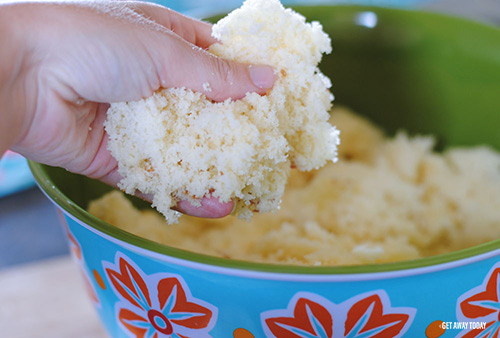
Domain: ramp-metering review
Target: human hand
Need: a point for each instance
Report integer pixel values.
(63, 63)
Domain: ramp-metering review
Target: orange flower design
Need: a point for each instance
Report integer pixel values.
(309, 319)
(312, 316)
(159, 305)
(482, 304)
(367, 319)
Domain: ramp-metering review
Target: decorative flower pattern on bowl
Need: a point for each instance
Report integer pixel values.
(482, 304)
(311, 316)
(159, 305)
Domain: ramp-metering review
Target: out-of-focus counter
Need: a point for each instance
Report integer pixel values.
(46, 299)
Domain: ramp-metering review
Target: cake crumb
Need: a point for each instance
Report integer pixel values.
(206, 87)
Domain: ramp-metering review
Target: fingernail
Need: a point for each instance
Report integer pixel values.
(262, 76)
(235, 206)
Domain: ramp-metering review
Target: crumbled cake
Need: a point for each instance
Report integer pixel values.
(178, 145)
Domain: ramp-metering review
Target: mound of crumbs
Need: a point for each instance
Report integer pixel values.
(386, 200)
(178, 145)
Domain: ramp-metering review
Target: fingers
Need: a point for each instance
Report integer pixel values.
(194, 31)
(210, 207)
(217, 78)
(142, 56)
(223, 79)
(185, 66)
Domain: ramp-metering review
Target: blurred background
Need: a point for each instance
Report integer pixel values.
(32, 239)
(483, 10)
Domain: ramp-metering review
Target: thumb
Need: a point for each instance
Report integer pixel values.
(219, 79)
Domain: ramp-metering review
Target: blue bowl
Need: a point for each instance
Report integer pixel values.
(419, 71)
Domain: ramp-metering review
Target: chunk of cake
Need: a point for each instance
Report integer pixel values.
(178, 145)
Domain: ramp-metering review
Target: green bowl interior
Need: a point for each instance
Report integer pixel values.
(418, 71)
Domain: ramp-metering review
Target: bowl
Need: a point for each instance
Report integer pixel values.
(423, 72)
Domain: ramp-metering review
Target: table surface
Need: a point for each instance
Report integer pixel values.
(40, 289)
(46, 299)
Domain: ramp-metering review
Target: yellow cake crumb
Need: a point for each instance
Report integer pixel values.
(178, 145)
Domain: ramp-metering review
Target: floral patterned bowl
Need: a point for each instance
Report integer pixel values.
(419, 71)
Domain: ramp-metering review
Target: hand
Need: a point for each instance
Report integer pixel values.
(63, 63)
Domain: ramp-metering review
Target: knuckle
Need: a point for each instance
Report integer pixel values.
(226, 77)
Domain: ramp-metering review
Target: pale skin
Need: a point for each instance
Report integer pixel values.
(62, 64)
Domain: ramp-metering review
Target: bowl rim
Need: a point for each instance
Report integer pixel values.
(50, 189)
(62, 201)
